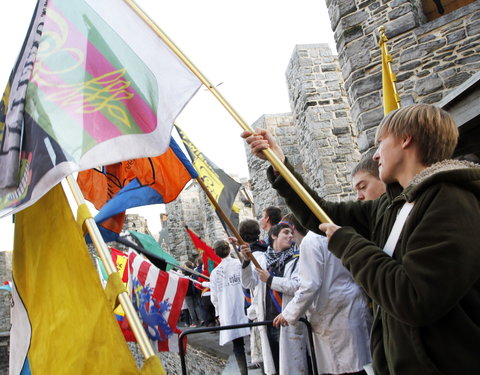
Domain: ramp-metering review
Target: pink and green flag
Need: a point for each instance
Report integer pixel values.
(102, 88)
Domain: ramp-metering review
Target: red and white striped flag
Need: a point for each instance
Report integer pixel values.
(158, 297)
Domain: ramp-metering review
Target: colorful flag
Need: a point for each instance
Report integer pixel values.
(158, 297)
(209, 258)
(223, 188)
(134, 183)
(62, 322)
(120, 260)
(391, 100)
(103, 89)
(149, 243)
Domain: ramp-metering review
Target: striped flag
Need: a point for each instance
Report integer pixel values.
(158, 297)
(102, 88)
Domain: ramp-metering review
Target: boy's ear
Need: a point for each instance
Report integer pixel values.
(407, 141)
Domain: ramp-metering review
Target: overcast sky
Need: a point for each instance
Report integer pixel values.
(244, 47)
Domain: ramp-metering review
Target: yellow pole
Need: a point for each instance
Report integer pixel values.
(130, 313)
(272, 158)
(391, 75)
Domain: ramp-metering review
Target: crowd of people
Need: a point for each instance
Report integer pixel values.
(390, 286)
(298, 278)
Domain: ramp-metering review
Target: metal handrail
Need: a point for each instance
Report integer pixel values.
(189, 331)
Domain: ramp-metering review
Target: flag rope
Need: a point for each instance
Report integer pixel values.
(102, 249)
(269, 154)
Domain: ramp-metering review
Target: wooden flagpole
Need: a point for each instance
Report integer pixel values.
(269, 154)
(130, 313)
(227, 221)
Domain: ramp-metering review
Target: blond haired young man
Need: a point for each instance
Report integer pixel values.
(425, 282)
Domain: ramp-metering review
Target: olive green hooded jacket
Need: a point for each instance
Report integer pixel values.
(427, 295)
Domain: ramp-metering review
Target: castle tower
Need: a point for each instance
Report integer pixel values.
(432, 52)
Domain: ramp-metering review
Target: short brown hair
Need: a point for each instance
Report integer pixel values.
(222, 248)
(367, 164)
(249, 230)
(274, 214)
(431, 127)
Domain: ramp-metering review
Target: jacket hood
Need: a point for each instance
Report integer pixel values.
(458, 172)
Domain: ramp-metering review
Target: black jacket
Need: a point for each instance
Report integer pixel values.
(427, 295)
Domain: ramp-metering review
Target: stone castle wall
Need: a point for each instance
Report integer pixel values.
(185, 206)
(318, 138)
(5, 302)
(325, 133)
(281, 126)
(429, 58)
(193, 209)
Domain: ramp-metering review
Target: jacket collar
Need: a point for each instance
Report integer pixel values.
(441, 171)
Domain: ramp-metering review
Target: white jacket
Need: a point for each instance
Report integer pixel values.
(228, 298)
(335, 306)
(293, 349)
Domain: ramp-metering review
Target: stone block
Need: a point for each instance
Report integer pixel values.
(354, 19)
(413, 53)
(428, 85)
(342, 130)
(403, 43)
(340, 8)
(365, 3)
(401, 25)
(456, 79)
(468, 60)
(455, 37)
(431, 64)
(443, 67)
(399, 11)
(366, 85)
(422, 73)
(366, 139)
(366, 103)
(369, 119)
(329, 68)
(473, 29)
(427, 38)
(345, 36)
(397, 3)
(410, 66)
(433, 98)
(358, 52)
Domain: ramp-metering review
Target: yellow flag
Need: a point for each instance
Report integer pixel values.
(391, 100)
(61, 320)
